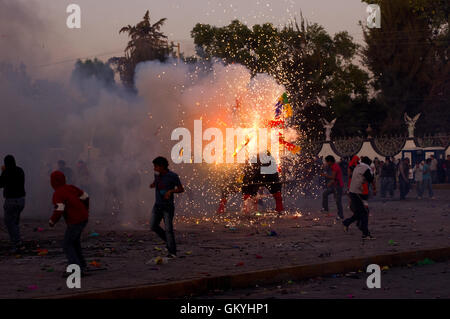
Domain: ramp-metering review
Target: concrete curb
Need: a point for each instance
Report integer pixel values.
(441, 186)
(199, 286)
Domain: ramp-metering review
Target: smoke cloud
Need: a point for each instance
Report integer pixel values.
(117, 135)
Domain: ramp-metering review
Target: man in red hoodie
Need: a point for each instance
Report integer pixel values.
(72, 203)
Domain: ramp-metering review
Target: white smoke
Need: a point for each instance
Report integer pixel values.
(118, 135)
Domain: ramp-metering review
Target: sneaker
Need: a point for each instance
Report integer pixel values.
(368, 237)
(323, 210)
(171, 256)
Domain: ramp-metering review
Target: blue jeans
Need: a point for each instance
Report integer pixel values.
(419, 188)
(434, 177)
(166, 212)
(13, 207)
(337, 191)
(427, 186)
(72, 244)
(404, 188)
(387, 186)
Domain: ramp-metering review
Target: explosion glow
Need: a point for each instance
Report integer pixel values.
(239, 101)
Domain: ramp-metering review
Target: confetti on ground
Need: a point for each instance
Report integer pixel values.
(95, 264)
(159, 260)
(392, 243)
(426, 261)
(42, 252)
(272, 233)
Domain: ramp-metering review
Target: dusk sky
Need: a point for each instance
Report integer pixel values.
(102, 19)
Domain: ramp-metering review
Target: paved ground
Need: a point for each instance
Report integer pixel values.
(424, 282)
(215, 246)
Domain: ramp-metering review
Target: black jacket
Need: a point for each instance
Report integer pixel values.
(388, 170)
(12, 179)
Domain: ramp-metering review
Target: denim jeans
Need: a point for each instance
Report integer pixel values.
(427, 186)
(404, 187)
(166, 212)
(12, 208)
(434, 177)
(72, 244)
(337, 191)
(387, 186)
(419, 188)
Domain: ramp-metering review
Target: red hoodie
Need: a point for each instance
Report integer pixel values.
(70, 201)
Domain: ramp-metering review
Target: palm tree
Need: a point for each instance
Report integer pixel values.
(146, 39)
(147, 43)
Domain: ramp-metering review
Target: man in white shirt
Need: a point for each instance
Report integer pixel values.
(361, 174)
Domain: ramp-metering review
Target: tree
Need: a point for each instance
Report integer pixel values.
(317, 70)
(409, 61)
(95, 69)
(147, 43)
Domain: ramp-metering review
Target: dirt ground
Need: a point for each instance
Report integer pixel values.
(423, 282)
(210, 246)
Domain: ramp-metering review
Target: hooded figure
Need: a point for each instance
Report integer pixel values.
(72, 203)
(12, 180)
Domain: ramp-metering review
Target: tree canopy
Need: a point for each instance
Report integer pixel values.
(317, 69)
(96, 69)
(409, 60)
(403, 66)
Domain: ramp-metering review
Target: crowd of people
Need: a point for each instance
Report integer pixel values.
(363, 177)
(400, 174)
(356, 177)
(360, 178)
(72, 204)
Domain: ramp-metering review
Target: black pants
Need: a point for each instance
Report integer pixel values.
(165, 212)
(13, 207)
(337, 191)
(269, 181)
(360, 214)
(72, 244)
(404, 187)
